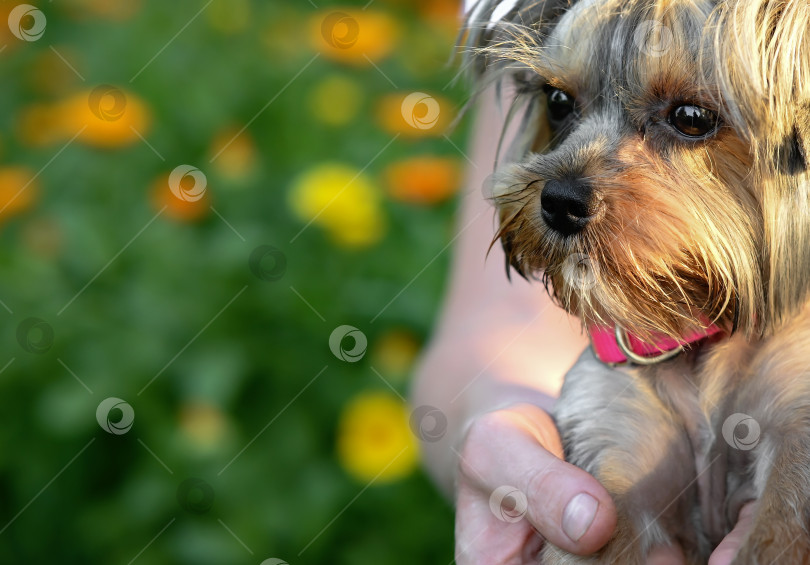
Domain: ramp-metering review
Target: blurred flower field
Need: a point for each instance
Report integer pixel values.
(224, 241)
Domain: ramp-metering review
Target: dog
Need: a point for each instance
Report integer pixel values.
(659, 187)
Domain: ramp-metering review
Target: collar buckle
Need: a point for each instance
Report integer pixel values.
(632, 357)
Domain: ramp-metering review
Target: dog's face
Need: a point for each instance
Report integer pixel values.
(666, 183)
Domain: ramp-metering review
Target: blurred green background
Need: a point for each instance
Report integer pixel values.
(203, 306)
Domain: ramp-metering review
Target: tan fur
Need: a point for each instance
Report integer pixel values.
(682, 232)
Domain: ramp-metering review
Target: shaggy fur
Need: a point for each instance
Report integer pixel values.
(682, 232)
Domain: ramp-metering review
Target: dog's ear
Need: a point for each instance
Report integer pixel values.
(497, 32)
(761, 52)
(500, 41)
(761, 65)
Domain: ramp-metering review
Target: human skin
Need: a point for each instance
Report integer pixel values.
(494, 368)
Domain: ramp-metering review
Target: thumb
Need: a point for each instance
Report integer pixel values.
(569, 507)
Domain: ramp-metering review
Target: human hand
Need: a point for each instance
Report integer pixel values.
(512, 458)
(519, 447)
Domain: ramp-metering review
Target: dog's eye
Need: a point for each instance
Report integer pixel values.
(693, 121)
(560, 104)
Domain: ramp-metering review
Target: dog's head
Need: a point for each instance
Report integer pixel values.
(665, 181)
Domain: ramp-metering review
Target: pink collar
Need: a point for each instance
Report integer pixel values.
(614, 345)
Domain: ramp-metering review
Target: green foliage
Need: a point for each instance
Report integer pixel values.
(216, 363)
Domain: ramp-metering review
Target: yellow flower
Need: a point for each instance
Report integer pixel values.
(423, 180)
(341, 200)
(203, 424)
(394, 353)
(353, 36)
(375, 440)
(336, 100)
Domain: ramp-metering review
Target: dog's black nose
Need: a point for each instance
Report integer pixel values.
(566, 205)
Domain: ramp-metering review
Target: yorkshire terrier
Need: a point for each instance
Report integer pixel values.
(659, 188)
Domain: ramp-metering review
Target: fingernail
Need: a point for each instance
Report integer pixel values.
(579, 515)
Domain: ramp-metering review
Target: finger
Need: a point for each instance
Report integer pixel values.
(564, 503)
(568, 506)
(670, 555)
(731, 544)
(483, 539)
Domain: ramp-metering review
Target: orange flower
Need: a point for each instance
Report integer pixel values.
(233, 153)
(414, 114)
(394, 353)
(446, 12)
(106, 116)
(176, 208)
(44, 237)
(353, 36)
(423, 180)
(18, 190)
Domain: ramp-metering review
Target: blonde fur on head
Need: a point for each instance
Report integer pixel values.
(687, 230)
